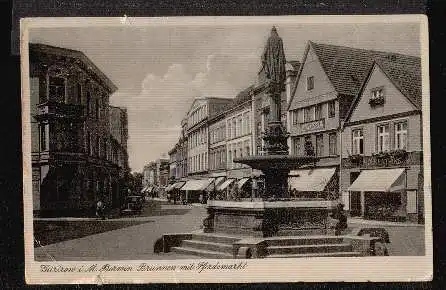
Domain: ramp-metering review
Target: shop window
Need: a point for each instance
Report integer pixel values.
(331, 109)
(401, 135)
(358, 141)
(57, 89)
(310, 83)
(332, 144)
(383, 138)
(297, 146)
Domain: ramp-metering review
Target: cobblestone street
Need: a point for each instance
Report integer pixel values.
(136, 242)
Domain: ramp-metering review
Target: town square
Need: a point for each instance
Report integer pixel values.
(260, 140)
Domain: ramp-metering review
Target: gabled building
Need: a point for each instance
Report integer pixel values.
(382, 165)
(328, 81)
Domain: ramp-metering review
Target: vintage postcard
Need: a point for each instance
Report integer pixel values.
(226, 149)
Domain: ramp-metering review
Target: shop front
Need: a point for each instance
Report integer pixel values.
(380, 194)
(313, 183)
(193, 189)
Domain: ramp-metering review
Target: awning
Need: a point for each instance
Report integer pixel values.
(242, 182)
(219, 180)
(311, 179)
(225, 184)
(179, 184)
(170, 187)
(148, 188)
(383, 180)
(144, 189)
(196, 184)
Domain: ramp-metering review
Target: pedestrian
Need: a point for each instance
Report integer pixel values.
(340, 215)
(100, 209)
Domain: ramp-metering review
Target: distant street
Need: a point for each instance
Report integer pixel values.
(136, 242)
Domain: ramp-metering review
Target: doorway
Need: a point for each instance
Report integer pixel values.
(355, 203)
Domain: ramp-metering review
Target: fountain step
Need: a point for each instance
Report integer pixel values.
(308, 255)
(208, 246)
(312, 248)
(216, 238)
(303, 240)
(201, 253)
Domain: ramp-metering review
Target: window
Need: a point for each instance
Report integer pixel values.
(401, 135)
(43, 143)
(318, 112)
(97, 146)
(248, 121)
(57, 89)
(383, 138)
(332, 144)
(295, 117)
(331, 109)
(377, 93)
(310, 83)
(308, 114)
(88, 102)
(297, 146)
(234, 128)
(358, 141)
(79, 94)
(319, 145)
(229, 129)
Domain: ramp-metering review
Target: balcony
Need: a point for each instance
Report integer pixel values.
(315, 125)
(400, 158)
(378, 101)
(51, 109)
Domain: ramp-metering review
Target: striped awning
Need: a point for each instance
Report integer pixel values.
(311, 179)
(242, 182)
(380, 180)
(196, 184)
(225, 184)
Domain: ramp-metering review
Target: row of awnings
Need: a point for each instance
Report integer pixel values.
(218, 183)
(147, 188)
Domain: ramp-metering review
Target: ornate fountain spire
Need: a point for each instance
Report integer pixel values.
(273, 61)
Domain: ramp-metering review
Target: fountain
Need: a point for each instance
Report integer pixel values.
(273, 225)
(274, 213)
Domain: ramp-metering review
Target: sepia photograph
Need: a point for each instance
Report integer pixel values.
(187, 146)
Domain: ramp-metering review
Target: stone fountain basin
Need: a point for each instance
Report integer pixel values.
(255, 218)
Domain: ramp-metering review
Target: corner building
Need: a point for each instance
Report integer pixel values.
(76, 158)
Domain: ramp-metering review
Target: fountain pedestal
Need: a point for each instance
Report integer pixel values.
(269, 218)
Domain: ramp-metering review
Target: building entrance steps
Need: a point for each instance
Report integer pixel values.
(208, 245)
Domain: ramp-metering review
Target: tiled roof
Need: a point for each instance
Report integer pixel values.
(406, 77)
(242, 96)
(348, 67)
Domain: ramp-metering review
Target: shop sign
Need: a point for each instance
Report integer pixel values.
(313, 125)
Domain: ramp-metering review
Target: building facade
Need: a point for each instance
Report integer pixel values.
(217, 146)
(198, 116)
(78, 155)
(328, 81)
(382, 165)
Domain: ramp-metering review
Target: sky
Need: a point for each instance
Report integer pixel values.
(160, 69)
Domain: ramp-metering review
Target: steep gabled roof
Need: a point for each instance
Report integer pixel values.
(405, 76)
(348, 67)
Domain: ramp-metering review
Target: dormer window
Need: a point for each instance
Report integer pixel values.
(310, 83)
(377, 97)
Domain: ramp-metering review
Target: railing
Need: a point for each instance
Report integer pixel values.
(384, 159)
(60, 109)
